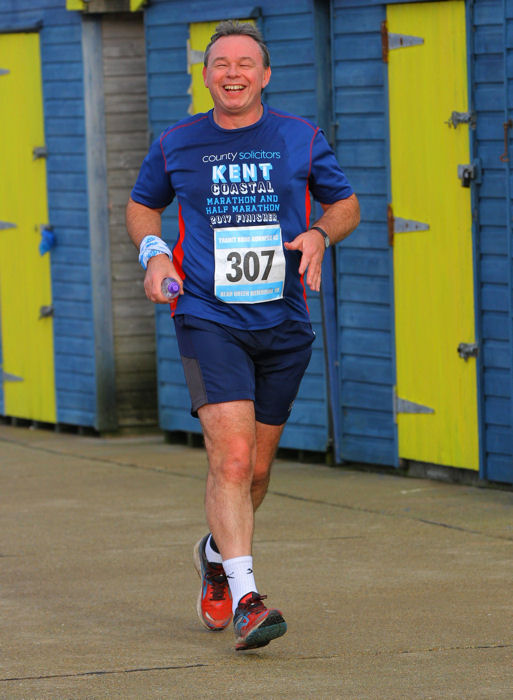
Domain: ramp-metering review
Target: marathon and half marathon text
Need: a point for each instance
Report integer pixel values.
(242, 194)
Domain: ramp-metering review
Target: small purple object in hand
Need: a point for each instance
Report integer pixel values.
(170, 288)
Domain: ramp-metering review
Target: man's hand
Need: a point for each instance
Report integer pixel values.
(311, 245)
(338, 220)
(159, 267)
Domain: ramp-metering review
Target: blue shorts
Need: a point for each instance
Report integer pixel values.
(227, 364)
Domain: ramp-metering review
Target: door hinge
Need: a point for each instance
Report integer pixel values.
(4, 225)
(7, 377)
(466, 350)
(39, 152)
(391, 41)
(194, 56)
(396, 224)
(406, 406)
(462, 118)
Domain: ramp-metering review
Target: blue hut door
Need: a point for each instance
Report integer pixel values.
(27, 369)
(431, 229)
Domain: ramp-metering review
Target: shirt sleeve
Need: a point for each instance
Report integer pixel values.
(327, 182)
(153, 186)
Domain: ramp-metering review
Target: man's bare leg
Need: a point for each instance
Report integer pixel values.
(237, 481)
(230, 440)
(267, 439)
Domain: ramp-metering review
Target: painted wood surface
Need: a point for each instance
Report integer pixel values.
(25, 282)
(433, 269)
(364, 264)
(63, 91)
(493, 75)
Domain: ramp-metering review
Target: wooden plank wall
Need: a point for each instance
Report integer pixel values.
(62, 71)
(493, 100)
(126, 118)
(365, 282)
(288, 29)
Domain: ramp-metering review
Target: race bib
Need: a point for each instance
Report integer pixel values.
(249, 264)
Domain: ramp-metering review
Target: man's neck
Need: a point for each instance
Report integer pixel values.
(237, 121)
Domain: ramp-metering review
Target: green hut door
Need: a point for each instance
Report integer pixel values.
(27, 370)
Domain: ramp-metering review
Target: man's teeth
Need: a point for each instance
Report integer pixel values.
(234, 87)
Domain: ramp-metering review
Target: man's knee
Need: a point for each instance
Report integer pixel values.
(236, 464)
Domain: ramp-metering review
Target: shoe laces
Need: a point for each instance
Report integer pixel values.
(217, 581)
(253, 604)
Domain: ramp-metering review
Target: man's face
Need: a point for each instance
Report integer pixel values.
(235, 76)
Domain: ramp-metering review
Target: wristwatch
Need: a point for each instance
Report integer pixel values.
(321, 230)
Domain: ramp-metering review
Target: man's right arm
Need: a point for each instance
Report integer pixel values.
(143, 221)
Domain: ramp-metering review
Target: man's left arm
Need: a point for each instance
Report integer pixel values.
(338, 221)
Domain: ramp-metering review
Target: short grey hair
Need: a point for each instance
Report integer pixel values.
(231, 27)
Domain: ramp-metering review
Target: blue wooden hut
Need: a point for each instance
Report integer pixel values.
(78, 338)
(413, 365)
(413, 391)
(418, 322)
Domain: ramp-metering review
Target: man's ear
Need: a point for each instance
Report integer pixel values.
(267, 78)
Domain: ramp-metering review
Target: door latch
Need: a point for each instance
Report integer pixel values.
(466, 173)
(46, 311)
(466, 350)
(39, 152)
(469, 172)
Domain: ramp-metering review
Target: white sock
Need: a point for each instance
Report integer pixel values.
(239, 572)
(212, 556)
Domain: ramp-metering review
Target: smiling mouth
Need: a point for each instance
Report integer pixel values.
(234, 88)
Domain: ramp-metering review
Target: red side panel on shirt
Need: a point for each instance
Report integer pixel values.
(178, 255)
(308, 211)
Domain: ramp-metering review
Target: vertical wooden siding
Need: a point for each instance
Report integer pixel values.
(364, 264)
(67, 197)
(62, 73)
(126, 119)
(288, 29)
(492, 57)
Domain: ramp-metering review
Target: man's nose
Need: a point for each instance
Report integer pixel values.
(233, 69)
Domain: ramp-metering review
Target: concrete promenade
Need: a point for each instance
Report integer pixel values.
(392, 587)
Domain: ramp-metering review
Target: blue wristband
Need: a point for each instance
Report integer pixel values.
(151, 246)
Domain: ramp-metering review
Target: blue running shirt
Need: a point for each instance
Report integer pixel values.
(241, 194)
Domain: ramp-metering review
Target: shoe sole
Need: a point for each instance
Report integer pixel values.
(272, 627)
(197, 565)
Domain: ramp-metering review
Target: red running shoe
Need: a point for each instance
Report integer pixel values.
(254, 624)
(214, 604)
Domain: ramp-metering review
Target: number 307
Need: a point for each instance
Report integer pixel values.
(249, 265)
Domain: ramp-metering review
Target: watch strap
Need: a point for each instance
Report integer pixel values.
(323, 232)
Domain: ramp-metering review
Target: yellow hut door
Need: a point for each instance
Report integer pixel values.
(431, 230)
(27, 370)
(199, 37)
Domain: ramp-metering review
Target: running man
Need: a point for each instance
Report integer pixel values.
(242, 173)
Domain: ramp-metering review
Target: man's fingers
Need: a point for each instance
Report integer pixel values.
(313, 278)
(311, 258)
(159, 268)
